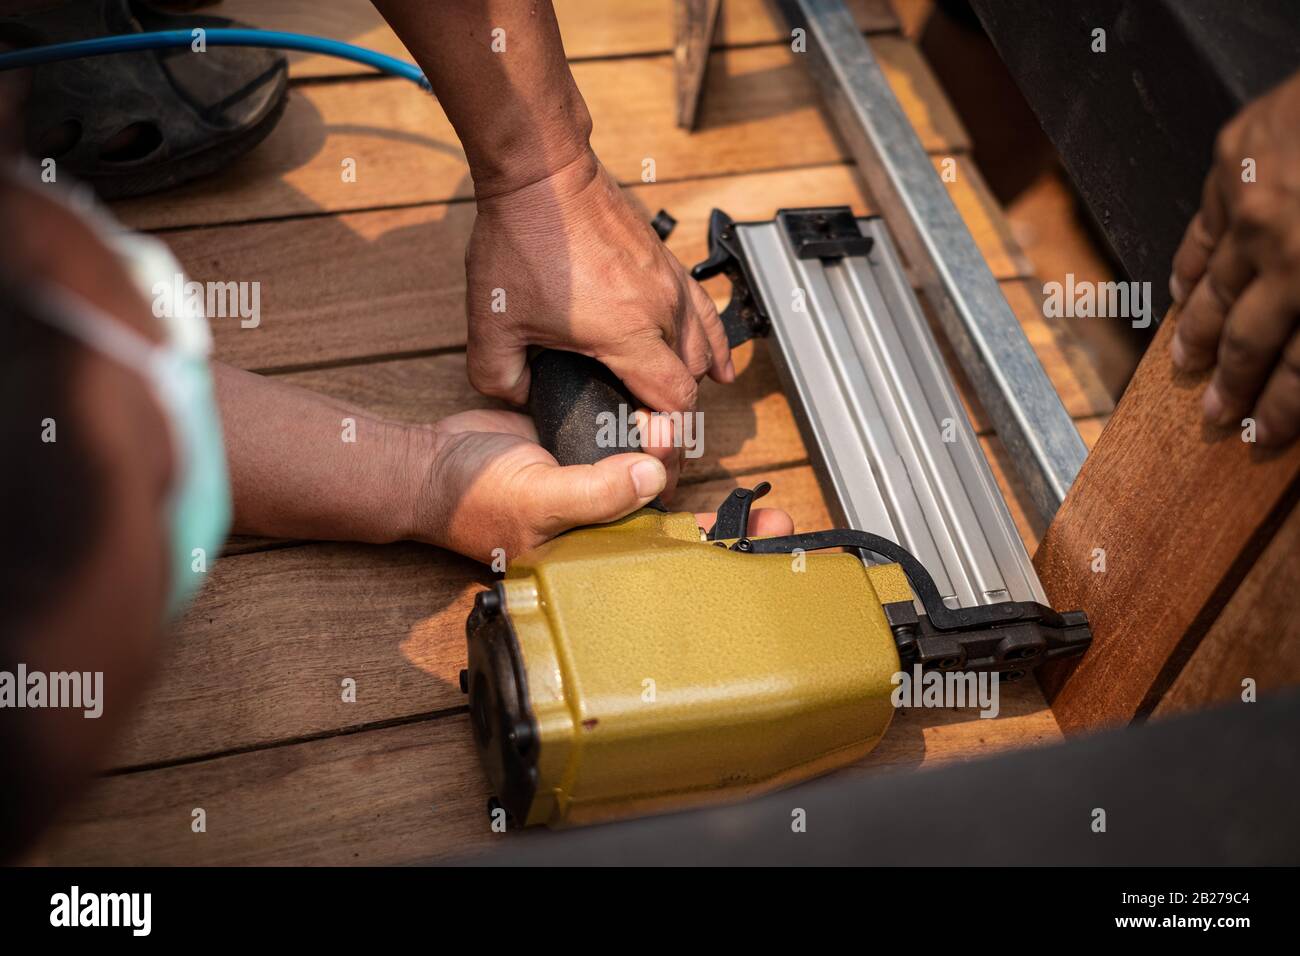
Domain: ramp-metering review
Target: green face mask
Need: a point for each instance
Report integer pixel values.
(179, 376)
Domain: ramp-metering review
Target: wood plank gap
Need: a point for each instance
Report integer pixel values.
(390, 722)
(1209, 615)
(349, 361)
(465, 200)
(309, 214)
(326, 79)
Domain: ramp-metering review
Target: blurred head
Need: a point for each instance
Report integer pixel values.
(85, 561)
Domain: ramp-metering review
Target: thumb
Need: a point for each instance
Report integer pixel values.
(574, 495)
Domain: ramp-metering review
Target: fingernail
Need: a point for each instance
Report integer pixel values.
(1178, 352)
(1176, 289)
(729, 373)
(649, 477)
(1212, 405)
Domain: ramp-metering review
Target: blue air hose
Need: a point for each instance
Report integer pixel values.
(168, 39)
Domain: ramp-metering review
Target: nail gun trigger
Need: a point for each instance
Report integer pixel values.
(733, 513)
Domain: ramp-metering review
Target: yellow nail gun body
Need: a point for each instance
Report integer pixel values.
(627, 697)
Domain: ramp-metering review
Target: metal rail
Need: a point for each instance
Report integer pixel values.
(879, 412)
(1025, 409)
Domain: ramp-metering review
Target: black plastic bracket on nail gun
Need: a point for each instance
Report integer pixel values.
(744, 317)
(829, 232)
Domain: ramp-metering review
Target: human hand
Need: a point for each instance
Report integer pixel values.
(489, 485)
(1236, 274)
(568, 263)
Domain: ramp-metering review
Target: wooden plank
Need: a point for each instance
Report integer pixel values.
(984, 218)
(1256, 637)
(1182, 512)
(345, 287)
(403, 794)
(694, 22)
(385, 796)
(1052, 230)
(912, 16)
(760, 112)
(591, 28)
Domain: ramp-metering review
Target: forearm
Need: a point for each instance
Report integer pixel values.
(518, 112)
(303, 465)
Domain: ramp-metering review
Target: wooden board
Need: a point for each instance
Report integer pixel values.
(1182, 512)
(759, 113)
(402, 794)
(694, 24)
(1256, 638)
(591, 28)
(1067, 366)
(392, 282)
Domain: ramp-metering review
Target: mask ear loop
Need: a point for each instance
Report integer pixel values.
(94, 328)
(145, 258)
(82, 320)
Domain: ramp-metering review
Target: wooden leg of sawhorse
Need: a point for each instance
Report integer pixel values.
(693, 25)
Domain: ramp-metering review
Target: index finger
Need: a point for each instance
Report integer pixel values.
(1199, 240)
(656, 375)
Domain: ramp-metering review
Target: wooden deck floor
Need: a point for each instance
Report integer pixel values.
(362, 297)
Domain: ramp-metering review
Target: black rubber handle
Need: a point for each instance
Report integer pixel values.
(574, 399)
(570, 397)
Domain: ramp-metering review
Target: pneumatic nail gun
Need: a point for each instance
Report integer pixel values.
(644, 665)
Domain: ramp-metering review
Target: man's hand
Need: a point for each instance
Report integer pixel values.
(1237, 273)
(558, 257)
(568, 263)
(489, 485)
